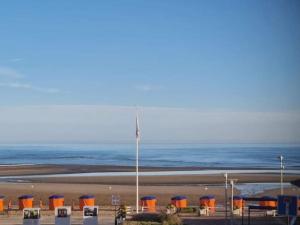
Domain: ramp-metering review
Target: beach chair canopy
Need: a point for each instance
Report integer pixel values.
(268, 198)
(56, 196)
(238, 197)
(25, 196)
(149, 197)
(179, 197)
(86, 196)
(207, 197)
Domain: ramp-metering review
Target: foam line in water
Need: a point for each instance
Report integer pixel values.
(154, 173)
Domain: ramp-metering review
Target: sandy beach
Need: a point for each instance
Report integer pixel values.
(164, 187)
(103, 187)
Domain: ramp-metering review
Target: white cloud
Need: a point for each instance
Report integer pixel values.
(29, 87)
(7, 72)
(98, 124)
(10, 78)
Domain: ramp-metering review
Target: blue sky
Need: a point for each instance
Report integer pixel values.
(204, 55)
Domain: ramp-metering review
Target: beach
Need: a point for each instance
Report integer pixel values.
(61, 180)
(163, 182)
(103, 187)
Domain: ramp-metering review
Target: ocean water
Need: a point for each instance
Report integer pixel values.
(179, 155)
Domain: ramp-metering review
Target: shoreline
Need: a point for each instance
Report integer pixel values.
(167, 180)
(162, 186)
(125, 175)
(51, 169)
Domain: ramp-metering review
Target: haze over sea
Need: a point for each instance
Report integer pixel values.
(156, 155)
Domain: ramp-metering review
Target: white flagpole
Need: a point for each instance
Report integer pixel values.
(137, 163)
(281, 174)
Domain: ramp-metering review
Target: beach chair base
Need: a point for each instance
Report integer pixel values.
(271, 213)
(237, 212)
(204, 212)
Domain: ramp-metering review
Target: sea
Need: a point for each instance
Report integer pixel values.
(211, 156)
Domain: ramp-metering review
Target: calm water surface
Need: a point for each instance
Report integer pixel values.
(215, 156)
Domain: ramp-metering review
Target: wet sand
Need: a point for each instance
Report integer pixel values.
(19, 170)
(180, 180)
(45, 169)
(26, 170)
(163, 187)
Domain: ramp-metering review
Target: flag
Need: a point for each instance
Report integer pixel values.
(137, 129)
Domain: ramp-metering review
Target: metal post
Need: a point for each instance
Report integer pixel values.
(231, 202)
(232, 186)
(281, 174)
(226, 187)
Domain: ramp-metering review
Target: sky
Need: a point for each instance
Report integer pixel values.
(231, 68)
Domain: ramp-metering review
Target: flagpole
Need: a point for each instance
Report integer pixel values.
(137, 165)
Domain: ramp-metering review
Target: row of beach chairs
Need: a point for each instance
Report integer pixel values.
(207, 204)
